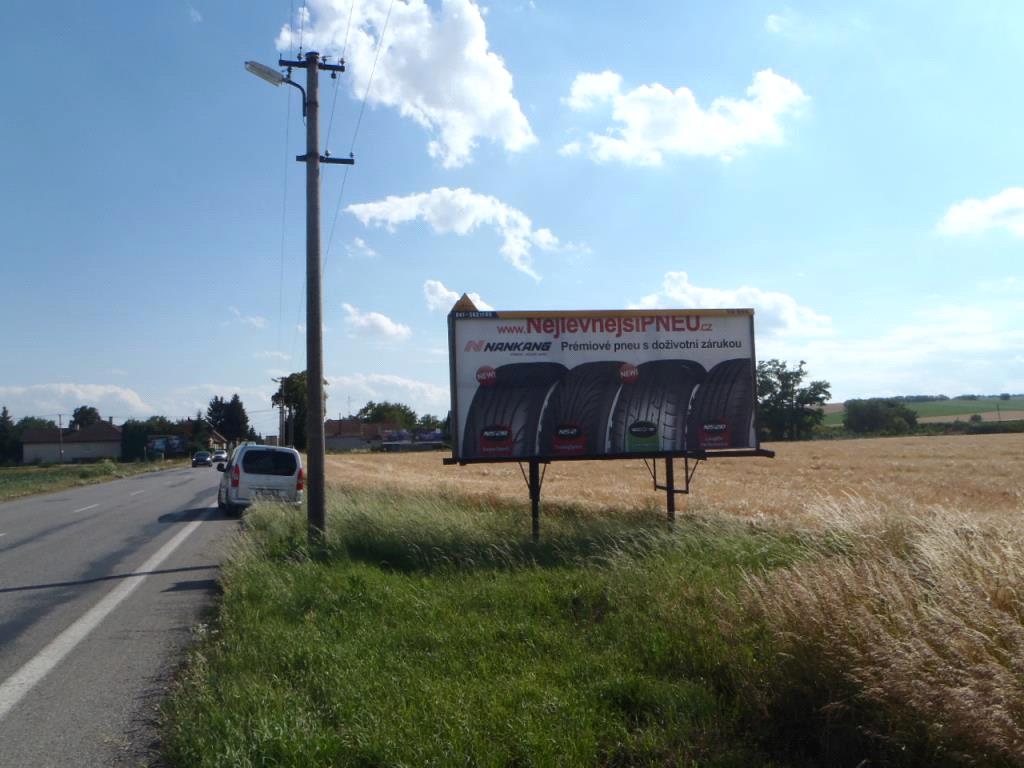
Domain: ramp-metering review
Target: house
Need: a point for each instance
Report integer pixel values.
(216, 439)
(101, 440)
(352, 434)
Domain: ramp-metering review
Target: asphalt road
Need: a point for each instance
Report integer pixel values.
(101, 588)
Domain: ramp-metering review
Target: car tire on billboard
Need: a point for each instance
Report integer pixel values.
(651, 411)
(723, 408)
(575, 419)
(503, 417)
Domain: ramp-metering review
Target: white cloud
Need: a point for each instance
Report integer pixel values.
(442, 298)
(375, 324)
(194, 15)
(946, 349)
(48, 400)
(461, 211)
(421, 396)
(590, 89)
(780, 23)
(271, 355)
(777, 313)
(359, 249)
(254, 321)
(571, 149)
(1002, 211)
(652, 120)
(435, 67)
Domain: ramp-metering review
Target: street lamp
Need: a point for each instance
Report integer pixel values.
(316, 516)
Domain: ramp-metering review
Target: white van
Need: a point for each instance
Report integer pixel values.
(257, 472)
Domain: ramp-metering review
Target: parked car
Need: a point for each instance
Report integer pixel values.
(220, 455)
(202, 459)
(257, 472)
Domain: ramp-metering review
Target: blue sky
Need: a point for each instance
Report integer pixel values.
(853, 171)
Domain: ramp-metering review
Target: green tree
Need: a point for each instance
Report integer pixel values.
(787, 409)
(877, 415)
(200, 433)
(291, 393)
(236, 420)
(387, 412)
(84, 416)
(216, 413)
(7, 442)
(429, 421)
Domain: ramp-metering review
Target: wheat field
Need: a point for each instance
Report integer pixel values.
(977, 474)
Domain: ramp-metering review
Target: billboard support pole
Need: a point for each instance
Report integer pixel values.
(535, 498)
(670, 490)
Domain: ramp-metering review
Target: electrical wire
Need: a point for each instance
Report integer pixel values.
(284, 219)
(302, 27)
(337, 80)
(359, 122)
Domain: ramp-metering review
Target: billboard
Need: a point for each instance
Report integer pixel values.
(602, 384)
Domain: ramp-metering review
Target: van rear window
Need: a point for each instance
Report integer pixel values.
(269, 463)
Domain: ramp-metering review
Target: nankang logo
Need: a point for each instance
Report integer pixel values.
(508, 346)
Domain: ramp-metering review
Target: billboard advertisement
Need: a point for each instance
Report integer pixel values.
(602, 384)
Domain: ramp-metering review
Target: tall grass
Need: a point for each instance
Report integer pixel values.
(436, 633)
(903, 640)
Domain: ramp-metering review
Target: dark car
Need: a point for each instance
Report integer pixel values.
(202, 459)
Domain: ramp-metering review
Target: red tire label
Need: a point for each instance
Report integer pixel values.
(629, 373)
(486, 376)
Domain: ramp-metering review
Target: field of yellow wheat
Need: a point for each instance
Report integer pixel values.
(976, 474)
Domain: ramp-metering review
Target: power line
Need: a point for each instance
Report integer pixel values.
(344, 49)
(284, 211)
(359, 121)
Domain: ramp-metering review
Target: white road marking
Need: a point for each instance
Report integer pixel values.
(86, 509)
(3, 534)
(25, 679)
(136, 493)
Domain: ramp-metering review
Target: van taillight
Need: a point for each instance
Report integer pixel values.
(236, 475)
(300, 480)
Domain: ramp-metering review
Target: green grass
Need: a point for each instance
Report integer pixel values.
(962, 409)
(434, 632)
(16, 482)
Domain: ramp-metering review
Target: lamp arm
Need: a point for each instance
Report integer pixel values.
(303, 90)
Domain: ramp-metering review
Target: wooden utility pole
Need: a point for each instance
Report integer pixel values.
(315, 485)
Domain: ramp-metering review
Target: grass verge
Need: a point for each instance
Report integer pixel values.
(16, 482)
(431, 632)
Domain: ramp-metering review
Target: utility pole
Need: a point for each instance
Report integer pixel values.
(316, 521)
(60, 435)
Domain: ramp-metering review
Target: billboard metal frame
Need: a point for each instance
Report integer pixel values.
(534, 477)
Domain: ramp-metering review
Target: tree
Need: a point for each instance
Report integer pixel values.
(200, 433)
(429, 422)
(291, 393)
(236, 420)
(786, 409)
(7, 443)
(216, 413)
(398, 414)
(877, 415)
(136, 433)
(84, 416)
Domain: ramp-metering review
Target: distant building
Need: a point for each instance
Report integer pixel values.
(101, 440)
(352, 434)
